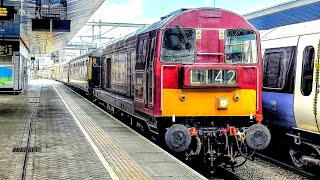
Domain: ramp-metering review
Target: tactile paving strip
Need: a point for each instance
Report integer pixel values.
(152, 159)
(65, 153)
(120, 161)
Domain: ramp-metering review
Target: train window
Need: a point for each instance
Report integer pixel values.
(140, 50)
(178, 45)
(144, 52)
(241, 46)
(279, 69)
(307, 71)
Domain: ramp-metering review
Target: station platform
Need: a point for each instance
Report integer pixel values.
(50, 132)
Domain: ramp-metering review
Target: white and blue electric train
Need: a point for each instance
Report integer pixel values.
(291, 85)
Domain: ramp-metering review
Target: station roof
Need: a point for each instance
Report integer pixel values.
(291, 12)
(78, 11)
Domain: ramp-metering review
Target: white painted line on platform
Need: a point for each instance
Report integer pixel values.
(104, 162)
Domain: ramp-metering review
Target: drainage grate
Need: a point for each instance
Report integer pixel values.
(24, 149)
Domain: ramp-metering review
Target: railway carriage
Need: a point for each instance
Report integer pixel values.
(45, 72)
(291, 87)
(59, 72)
(84, 71)
(55, 71)
(194, 78)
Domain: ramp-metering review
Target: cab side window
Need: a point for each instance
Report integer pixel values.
(279, 69)
(307, 71)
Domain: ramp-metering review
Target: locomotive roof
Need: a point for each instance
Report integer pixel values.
(165, 19)
(162, 22)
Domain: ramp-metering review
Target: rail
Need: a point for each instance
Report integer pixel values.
(285, 166)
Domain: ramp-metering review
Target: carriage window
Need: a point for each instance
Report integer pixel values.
(144, 51)
(307, 71)
(178, 45)
(241, 46)
(279, 69)
(140, 50)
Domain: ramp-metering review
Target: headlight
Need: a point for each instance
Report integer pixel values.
(222, 103)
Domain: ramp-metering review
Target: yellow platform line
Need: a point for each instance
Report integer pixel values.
(116, 161)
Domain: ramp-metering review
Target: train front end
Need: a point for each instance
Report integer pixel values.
(209, 74)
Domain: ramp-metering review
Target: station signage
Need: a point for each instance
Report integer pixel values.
(51, 25)
(6, 50)
(8, 47)
(7, 13)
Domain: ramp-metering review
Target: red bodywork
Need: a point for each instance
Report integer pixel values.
(210, 22)
(209, 53)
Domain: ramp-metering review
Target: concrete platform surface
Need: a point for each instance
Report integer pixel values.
(68, 137)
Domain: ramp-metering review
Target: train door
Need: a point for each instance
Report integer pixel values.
(306, 99)
(132, 76)
(149, 70)
(129, 73)
(140, 75)
(96, 72)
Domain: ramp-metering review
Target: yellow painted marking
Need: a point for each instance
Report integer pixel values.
(197, 175)
(90, 68)
(198, 34)
(105, 163)
(221, 34)
(118, 164)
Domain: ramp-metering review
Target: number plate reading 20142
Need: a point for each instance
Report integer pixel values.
(213, 77)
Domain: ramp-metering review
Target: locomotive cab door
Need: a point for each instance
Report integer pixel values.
(306, 99)
(140, 74)
(149, 69)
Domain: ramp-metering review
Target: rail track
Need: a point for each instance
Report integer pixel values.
(286, 166)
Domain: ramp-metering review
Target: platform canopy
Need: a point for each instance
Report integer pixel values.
(43, 42)
(291, 12)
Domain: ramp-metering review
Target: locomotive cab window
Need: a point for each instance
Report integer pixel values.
(178, 45)
(307, 71)
(241, 46)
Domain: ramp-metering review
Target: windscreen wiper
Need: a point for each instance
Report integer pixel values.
(183, 33)
(188, 45)
(237, 33)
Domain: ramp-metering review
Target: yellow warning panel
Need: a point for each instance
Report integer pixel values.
(221, 34)
(198, 34)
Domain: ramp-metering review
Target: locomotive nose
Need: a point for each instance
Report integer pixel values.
(258, 137)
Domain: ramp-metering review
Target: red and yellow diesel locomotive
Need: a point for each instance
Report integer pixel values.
(194, 78)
